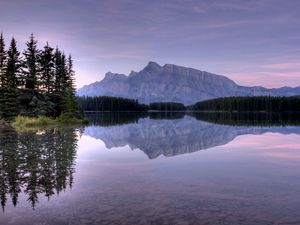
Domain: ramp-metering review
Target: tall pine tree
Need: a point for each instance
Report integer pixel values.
(69, 94)
(47, 69)
(9, 97)
(31, 55)
(2, 59)
(46, 81)
(58, 71)
(14, 64)
(2, 70)
(71, 73)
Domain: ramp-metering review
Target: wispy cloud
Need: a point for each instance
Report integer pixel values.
(267, 79)
(256, 39)
(285, 66)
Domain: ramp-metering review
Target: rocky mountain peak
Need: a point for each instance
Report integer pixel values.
(111, 76)
(152, 67)
(171, 68)
(132, 73)
(172, 83)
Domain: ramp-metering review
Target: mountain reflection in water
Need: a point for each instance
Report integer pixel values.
(38, 162)
(175, 133)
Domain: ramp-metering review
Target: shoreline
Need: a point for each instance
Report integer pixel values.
(28, 122)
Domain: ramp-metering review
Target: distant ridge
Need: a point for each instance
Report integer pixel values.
(172, 83)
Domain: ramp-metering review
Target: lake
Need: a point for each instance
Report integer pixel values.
(152, 169)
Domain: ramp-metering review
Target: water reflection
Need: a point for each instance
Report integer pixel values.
(120, 118)
(253, 180)
(185, 134)
(42, 162)
(35, 162)
(249, 119)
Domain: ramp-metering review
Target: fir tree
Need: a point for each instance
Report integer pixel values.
(14, 65)
(64, 84)
(47, 69)
(58, 71)
(46, 65)
(9, 93)
(71, 73)
(31, 55)
(2, 59)
(69, 102)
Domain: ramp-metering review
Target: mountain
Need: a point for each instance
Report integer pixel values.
(171, 83)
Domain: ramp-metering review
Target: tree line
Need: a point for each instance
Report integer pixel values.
(167, 106)
(36, 82)
(249, 118)
(227, 104)
(108, 103)
(250, 104)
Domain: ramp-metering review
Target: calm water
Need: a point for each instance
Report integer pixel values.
(162, 169)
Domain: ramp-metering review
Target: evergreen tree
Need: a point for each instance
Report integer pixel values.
(58, 71)
(64, 76)
(46, 81)
(14, 65)
(9, 93)
(47, 69)
(59, 75)
(2, 59)
(2, 69)
(69, 102)
(31, 55)
(64, 84)
(71, 73)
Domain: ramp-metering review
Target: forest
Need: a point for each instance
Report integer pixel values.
(115, 104)
(228, 104)
(261, 119)
(249, 104)
(107, 103)
(167, 106)
(36, 82)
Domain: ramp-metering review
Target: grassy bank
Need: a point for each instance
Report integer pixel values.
(47, 121)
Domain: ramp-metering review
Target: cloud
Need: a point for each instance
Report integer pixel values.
(285, 66)
(256, 39)
(267, 79)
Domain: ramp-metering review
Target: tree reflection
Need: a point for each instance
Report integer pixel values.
(35, 162)
(261, 119)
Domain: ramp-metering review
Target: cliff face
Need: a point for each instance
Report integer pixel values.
(157, 83)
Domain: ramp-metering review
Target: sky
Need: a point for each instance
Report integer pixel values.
(253, 42)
